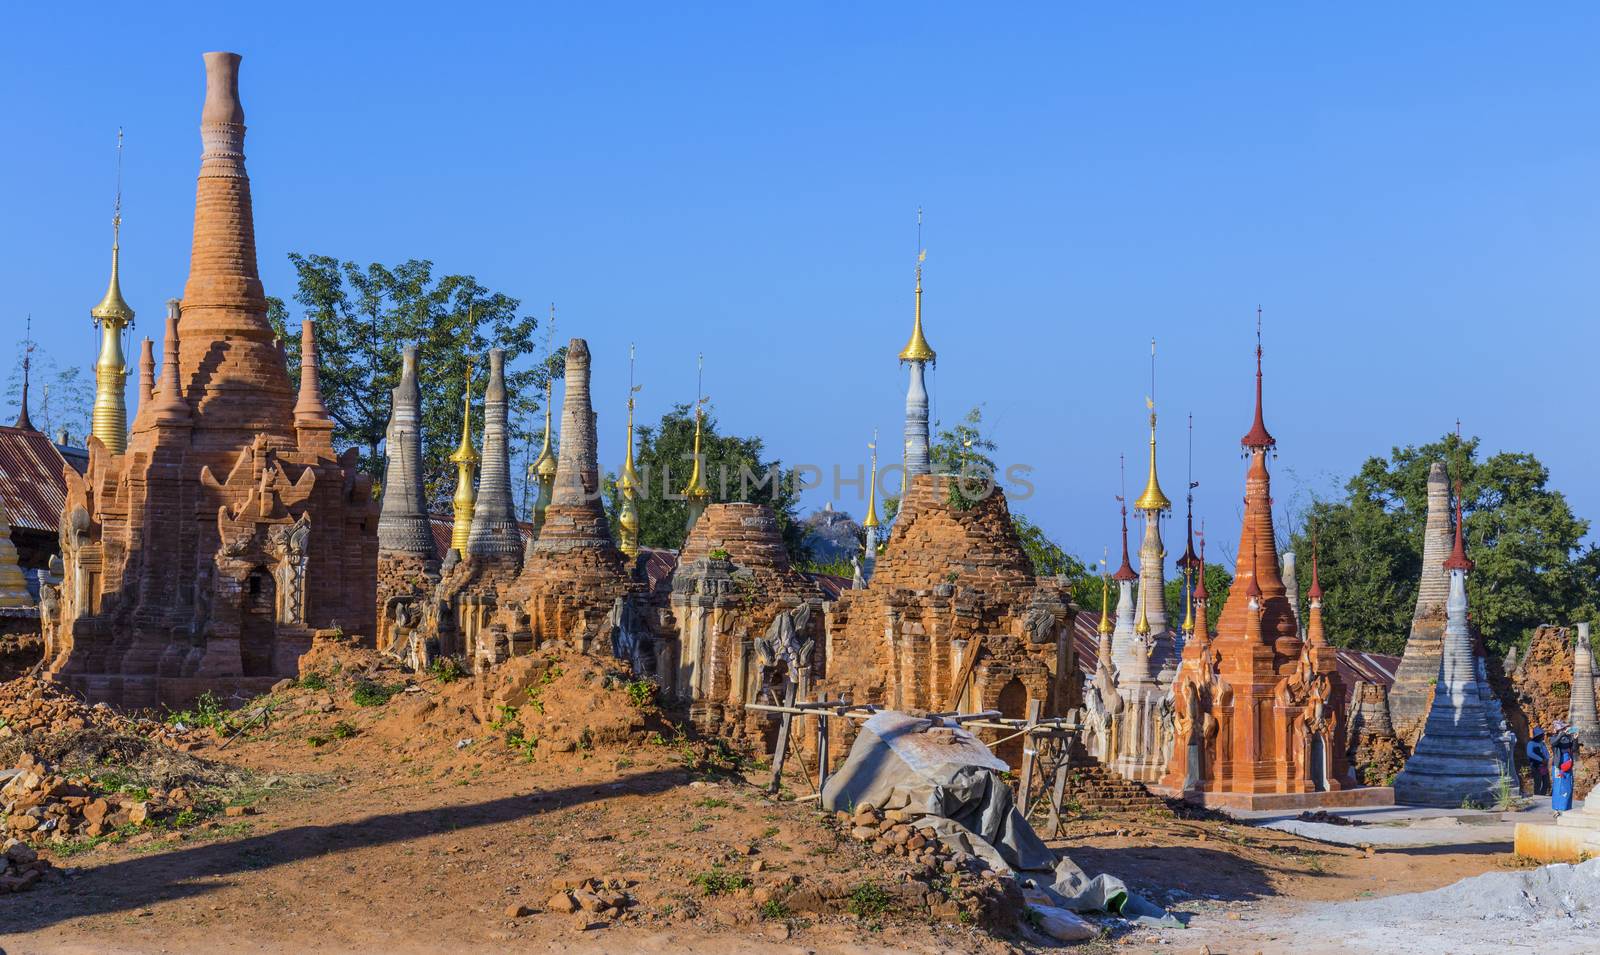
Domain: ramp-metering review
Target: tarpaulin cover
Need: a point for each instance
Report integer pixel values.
(949, 779)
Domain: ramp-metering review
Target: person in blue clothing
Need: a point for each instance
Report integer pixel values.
(1561, 767)
(1539, 762)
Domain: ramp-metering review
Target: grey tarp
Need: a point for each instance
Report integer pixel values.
(948, 778)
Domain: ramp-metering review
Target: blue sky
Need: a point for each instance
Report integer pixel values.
(1409, 193)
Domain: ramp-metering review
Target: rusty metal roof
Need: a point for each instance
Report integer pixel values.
(31, 480)
(1354, 665)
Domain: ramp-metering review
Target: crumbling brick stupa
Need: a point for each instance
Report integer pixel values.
(954, 617)
(574, 576)
(727, 646)
(208, 554)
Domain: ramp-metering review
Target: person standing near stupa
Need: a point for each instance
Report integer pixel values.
(1562, 766)
(1539, 762)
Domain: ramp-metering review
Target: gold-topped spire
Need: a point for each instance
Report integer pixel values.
(544, 466)
(1142, 627)
(1105, 627)
(871, 521)
(628, 480)
(696, 491)
(918, 349)
(465, 458)
(112, 315)
(1152, 500)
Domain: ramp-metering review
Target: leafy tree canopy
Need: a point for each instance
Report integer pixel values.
(364, 316)
(734, 469)
(1525, 540)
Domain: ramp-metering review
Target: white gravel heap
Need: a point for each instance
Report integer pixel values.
(1559, 905)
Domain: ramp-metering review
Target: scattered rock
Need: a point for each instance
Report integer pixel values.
(517, 910)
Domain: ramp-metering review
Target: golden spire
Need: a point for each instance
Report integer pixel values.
(695, 490)
(1188, 602)
(112, 315)
(918, 349)
(1105, 602)
(1142, 627)
(628, 480)
(1152, 500)
(465, 459)
(544, 466)
(871, 522)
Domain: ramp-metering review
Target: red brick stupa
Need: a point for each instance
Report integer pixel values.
(1258, 710)
(208, 554)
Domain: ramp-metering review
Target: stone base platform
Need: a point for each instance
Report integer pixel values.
(1332, 799)
(1573, 837)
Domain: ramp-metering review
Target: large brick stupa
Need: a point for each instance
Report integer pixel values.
(208, 554)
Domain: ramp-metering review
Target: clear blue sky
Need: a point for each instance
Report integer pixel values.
(1408, 190)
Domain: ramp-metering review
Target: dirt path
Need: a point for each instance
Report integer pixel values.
(413, 827)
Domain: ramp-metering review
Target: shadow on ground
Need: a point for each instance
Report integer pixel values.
(145, 880)
(1195, 870)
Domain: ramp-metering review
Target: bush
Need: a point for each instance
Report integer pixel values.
(773, 910)
(313, 681)
(641, 693)
(446, 670)
(868, 900)
(343, 730)
(372, 693)
(207, 711)
(718, 882)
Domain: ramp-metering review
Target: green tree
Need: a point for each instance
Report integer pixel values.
(734, 469)
(364, 316)
(1521, 533)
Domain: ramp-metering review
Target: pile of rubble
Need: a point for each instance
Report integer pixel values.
(41, 805)
(594, 896)
(895, 833)
(952, 884)
(21, 867)
(28, 706)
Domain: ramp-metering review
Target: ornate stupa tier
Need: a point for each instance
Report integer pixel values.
(233, 372)
(14, 595)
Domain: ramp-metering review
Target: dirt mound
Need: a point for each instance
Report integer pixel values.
(547, 706)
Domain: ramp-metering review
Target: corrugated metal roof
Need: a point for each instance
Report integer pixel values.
(35, 493)
(443, 527)
(1354, 665)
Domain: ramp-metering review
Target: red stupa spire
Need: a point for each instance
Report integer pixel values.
(1458, 559)
(1126, 571)
(1200, 594)
(1259, 438)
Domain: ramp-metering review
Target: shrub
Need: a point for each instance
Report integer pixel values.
(774, 909)
(718, 882)
(641, 693)
(343, 729)
(446, 670)
(313, 681)
(868, 900)
(207, 711)
(369, 692)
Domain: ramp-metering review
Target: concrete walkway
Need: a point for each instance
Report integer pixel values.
(1407, 825)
